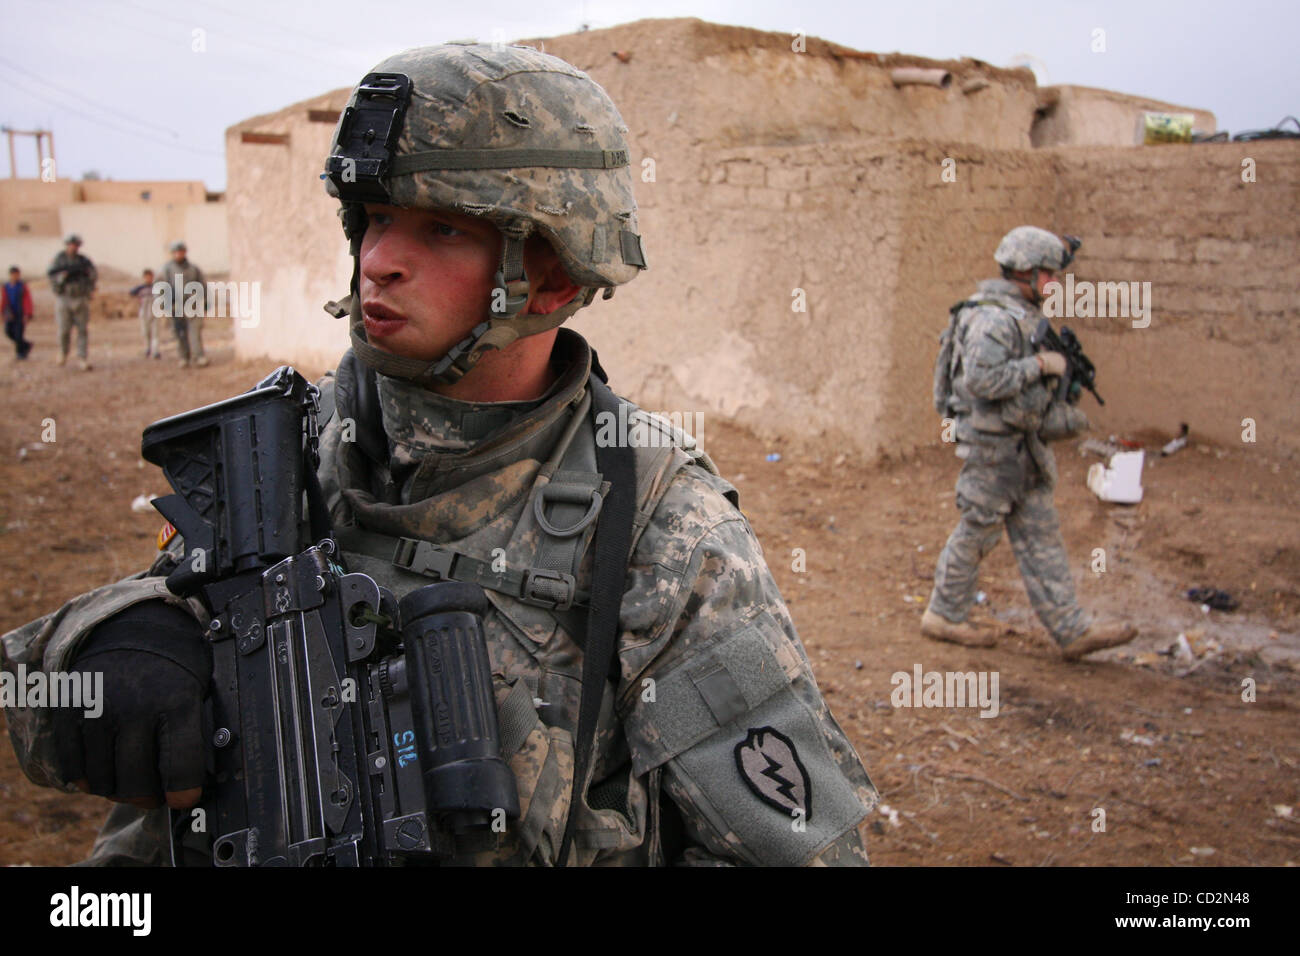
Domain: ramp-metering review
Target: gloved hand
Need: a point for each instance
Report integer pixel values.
(1051, 363)
(149, 739)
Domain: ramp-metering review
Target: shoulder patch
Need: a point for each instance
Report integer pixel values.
(165, 535)
(770, 766)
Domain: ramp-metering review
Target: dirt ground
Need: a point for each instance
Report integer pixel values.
(1186, 771)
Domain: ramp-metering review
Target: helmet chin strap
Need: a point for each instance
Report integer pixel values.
(504, 323)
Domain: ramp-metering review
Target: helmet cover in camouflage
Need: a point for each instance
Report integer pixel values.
(494, 97)
(1028, 247)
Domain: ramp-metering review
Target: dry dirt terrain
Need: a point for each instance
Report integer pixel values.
(1187, 771)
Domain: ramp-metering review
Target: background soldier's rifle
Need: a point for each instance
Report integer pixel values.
(1080, 373)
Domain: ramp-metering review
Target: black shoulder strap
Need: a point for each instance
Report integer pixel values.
(356, 396)
(617, 465)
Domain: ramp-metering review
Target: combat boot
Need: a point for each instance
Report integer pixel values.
(1096, 638)
(939, 628)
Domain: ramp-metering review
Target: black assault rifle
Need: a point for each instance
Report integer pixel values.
(1080, 373)
(74, 271)
(339, 737)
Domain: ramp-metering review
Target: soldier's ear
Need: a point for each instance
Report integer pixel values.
(549, 285)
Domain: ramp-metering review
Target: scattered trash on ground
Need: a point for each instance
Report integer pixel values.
(774, 456)
(1119, 481)
(1095, 446)
(1129, 737)
(1178, 444)
(1213, 598)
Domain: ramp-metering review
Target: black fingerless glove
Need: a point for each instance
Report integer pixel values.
(157, 670)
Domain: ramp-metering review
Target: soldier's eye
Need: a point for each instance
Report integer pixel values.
(443, 229)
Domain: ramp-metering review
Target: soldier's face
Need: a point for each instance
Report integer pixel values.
(426, 278)
(1044, 276)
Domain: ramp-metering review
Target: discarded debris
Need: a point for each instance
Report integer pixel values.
(1095, 446)
(773, 456)
(1129, 737)
(1178, 444)
(1120, 480)
(1213, 598)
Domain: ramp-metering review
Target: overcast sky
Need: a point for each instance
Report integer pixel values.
(125, 92)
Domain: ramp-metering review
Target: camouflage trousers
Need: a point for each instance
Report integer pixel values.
(189, 336)
(989, 495)
(70, 313)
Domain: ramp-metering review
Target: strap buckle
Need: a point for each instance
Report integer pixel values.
(539, 589)
(555, 492)
(424, 558)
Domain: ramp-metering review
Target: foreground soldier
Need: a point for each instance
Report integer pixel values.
(1005, 414)
(459, 425)
(72, 279)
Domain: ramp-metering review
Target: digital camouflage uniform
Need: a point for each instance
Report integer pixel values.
(1004, 415)
(72, 299)
(188, 328)
(708, 654)
(713, 745)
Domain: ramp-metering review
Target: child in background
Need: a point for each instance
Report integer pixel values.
(16, 307)
(148, 321)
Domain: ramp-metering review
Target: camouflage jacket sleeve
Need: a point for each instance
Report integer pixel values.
(719, 693)
(991, 362)
(49, 644)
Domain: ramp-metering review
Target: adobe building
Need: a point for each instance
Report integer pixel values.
(125, 225)
(809, 213)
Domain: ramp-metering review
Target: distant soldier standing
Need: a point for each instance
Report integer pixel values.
(178, 272)
(992, 383)
(72, 277)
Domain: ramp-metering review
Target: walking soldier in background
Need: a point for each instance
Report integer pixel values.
(992, 382)
(185, 287)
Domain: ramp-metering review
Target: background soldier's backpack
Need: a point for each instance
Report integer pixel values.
(947, 365)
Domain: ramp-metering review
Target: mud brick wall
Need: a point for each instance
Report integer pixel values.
(766, 177)
(1223, 260)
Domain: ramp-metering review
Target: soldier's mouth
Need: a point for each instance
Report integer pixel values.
(381, 320)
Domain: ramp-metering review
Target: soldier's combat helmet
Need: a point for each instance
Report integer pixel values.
(505, 133)
(1028, 247)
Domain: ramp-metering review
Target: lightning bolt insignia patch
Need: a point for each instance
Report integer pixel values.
(770, 766)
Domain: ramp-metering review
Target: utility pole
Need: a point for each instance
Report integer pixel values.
(40, 135)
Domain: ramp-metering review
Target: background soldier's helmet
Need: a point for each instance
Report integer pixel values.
(1028, 247)
(505, 133)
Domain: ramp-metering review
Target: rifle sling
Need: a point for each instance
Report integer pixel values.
(609, 574)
